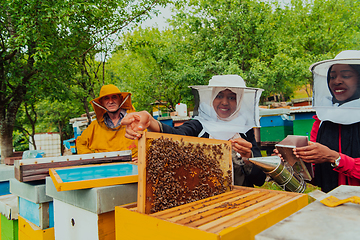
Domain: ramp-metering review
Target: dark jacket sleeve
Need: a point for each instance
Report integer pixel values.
(188, 128)
(256, 176)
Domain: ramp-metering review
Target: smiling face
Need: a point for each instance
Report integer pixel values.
(111, 102)
(343, 81)
(225, 103)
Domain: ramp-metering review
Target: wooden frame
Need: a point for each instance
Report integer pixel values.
(239, 214)
(91, 176)
(38, 168)
(225, 162)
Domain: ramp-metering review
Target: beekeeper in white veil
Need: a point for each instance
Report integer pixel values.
(227, 110)
(334, 100)
(243, 118)
(335, 136)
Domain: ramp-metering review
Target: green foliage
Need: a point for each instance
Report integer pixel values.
(20, 142)
(45, 47)
(272, 46)
(153, 66)
(55, 115)
(48, 52)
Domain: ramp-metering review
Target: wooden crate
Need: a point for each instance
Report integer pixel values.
(239, 214)
(32, 169)
(11, 160)
(90, 176)
(176, 169)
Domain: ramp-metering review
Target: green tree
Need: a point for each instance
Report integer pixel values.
(154, 67)
(41, 42)
(25, 123)
(158, 66)
(316, 30)
(228, 32)
(56, 114)
(273, 46)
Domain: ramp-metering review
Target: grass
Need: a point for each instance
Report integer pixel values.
(271, 185)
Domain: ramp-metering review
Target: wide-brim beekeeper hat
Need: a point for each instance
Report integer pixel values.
(345, 57)
(323, 100)
(111, 89)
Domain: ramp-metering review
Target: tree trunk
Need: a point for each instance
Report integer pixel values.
(7, 123)
(6, 139)
(60, 126)
(33, 140)
(86, 107)
(32, 122)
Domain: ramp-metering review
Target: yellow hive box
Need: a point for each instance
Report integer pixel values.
(29, 231)
(240, 213)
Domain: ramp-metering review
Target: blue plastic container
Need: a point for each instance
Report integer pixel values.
(275, 121)
(4, 188)
(70, 144)
(168, 122)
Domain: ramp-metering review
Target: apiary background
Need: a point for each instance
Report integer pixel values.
(176, 169)
(239, 214)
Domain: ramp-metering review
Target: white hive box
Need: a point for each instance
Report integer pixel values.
(49, 143)
(88, 214)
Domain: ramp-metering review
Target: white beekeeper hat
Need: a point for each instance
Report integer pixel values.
(246, 115)
(345, 57)
(326, 108)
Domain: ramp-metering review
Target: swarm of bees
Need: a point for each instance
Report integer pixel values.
(180, 172)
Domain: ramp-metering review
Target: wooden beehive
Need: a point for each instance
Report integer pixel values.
(239, 214)
(91, 176)
(33, 169)
(176, 169)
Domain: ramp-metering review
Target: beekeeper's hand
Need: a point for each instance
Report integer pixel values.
(316, 153)
(276, 153)
(242, 146)
(139, 121)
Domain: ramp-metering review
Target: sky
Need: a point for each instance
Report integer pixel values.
(165, 13)
(160, 20)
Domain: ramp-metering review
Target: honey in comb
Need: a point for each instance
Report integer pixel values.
(179, 173)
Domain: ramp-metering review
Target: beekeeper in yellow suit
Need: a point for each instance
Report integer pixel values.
(106, 134)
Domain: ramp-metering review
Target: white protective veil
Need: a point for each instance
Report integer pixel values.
(325, 104)
(246, 115)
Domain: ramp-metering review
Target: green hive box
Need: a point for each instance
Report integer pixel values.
(9, 229)
(275, 134)
(303, 127)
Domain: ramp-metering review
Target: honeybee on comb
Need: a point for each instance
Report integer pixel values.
(180, 172)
